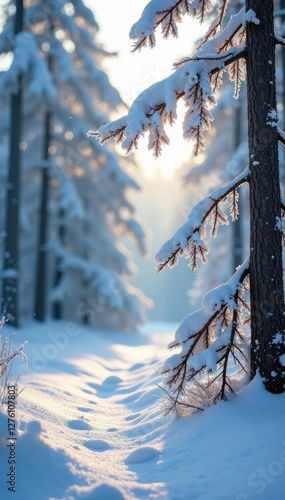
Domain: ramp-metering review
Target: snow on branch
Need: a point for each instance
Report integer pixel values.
(219, 41)
(211, 341)
(218, 38)
(156, 106)
(166, 14)
(28, 61)
(189, 239)
(281, 136)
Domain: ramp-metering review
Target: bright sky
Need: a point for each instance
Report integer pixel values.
(132, 73)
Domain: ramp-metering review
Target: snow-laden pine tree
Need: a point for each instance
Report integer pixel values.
(215, 338)
(88, 187)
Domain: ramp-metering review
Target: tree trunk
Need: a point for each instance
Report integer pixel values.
(282, 162)
(237, 226)
(57, 305)
(10, 282)
(266, 276)
(40, 292)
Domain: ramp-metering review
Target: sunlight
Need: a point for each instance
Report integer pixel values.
(133, 73)
(177, 153)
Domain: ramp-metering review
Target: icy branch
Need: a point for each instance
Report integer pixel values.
(167, 14)
(279, 40)
(281, 136)
(250, 17)
(209, 338)
(189, 239)
(157, 105)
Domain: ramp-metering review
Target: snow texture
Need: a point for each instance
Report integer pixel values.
(90, 426)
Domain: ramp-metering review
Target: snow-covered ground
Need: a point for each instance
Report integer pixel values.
(91, 426)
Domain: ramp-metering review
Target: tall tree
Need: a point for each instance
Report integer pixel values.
(266, 277)
(87, 183)
(214, 337)
(41, 268)
(10, 277)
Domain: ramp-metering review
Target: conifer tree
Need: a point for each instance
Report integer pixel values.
(88, 184)
(216, 337)
(11, 245)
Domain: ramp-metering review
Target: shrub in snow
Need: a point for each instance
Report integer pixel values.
(7, 355)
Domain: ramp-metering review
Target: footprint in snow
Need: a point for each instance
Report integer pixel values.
(106, 492)
(142, 455)
(97, 445)
(133, 397)
(108, 386)
(79, 425)
(136, 367)
(112, 380)
(83, 409)
(132, 416)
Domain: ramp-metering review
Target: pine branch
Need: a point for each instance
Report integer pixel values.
(217, 25)
(221, 395)
(227, 36)
(236, 75)
(143, 31)
(218, 216)
(190, 231)
(116, 134)
(222, 327)
(173, 400)
(234, 205)
(207, 57)
(131, 127)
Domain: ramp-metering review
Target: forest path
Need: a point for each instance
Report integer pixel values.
(91, 426)
(99, 408)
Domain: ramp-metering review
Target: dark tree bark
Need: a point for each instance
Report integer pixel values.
(237, 226)
(282, 163)
(266, 277)
(57, 305)
(10, 282)
(40, 292)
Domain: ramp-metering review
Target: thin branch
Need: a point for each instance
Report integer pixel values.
(182, 373)
(281, 136)
(207, 57)
(215, 201)
(217, 25)
(279, 40)
(115, 130)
